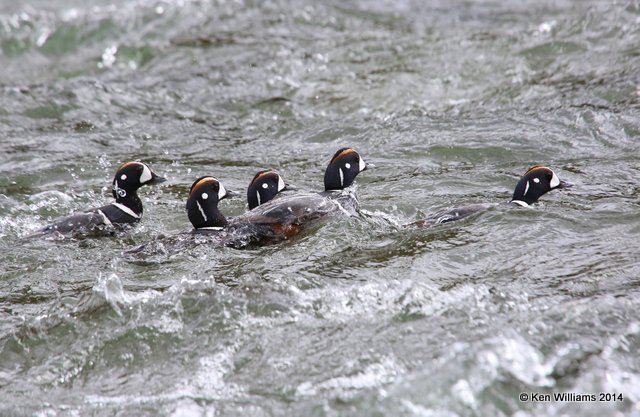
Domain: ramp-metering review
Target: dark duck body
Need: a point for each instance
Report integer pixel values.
(536, 182)
(127, 209)
(283, 217)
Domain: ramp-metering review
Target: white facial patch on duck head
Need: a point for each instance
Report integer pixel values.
(281, 184)
(146, 175)
(555, 181)
(204, 196)
(347, 165)
(361, 165)
(265, 185)
(222, 192)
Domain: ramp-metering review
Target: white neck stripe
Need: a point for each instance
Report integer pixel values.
(105, 219)
(204, 216)
(258, 195)
(520, 203)
(210, 228)
(127, 210)
(341, 177)
(526, 188)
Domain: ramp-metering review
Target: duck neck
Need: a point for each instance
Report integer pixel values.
(334, 179)
(201, 215)
(216, 219)
(132, 202)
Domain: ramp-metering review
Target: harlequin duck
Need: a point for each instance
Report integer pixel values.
(202, 204)
(283, 217)
(264, 186)
(536, 182)
(126, 209)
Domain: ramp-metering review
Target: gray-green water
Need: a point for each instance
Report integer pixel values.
(452, 101)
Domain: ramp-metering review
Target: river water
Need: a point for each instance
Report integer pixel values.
(451, 100)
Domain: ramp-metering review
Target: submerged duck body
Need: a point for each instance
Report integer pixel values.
(284, 217)
(127, 208)
(536, 182)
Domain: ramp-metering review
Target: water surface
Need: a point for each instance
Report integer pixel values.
(452, 101)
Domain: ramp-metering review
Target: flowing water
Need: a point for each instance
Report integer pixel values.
(451, 100)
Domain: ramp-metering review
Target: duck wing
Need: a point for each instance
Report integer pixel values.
(79, 222)
(297, 209)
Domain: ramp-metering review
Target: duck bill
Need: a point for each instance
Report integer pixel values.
(564, 184)
(156, 179)
(289, 187)
(368, 166)
(231, 194)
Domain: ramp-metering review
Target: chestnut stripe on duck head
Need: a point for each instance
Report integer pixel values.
(210, 183)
